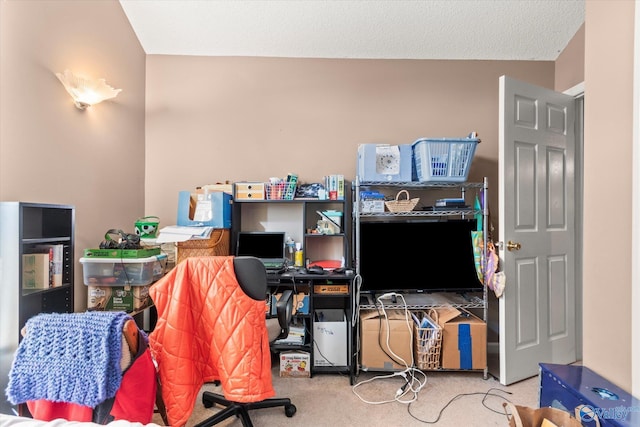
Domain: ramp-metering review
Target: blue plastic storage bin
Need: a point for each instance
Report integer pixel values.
(443, 159)
(372, 159)
(569, 386)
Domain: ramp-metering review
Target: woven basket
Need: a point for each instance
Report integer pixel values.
(428, 344)
(218, 244)
(405, 205)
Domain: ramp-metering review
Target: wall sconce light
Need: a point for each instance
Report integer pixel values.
(86, 92)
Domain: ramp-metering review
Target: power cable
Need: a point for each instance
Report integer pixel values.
(461, 395)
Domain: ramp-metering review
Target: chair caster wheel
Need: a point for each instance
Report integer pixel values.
(290, 410)
(207, 403)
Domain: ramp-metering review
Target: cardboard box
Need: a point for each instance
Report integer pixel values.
(384, 162)
(295, 364)
(371, 202)
(35, 271)
(225, 187)
(330, 338)
(204, 209)
(464, 339)
(331, 288)
(373, 334)
(372, 206)
(118, 298)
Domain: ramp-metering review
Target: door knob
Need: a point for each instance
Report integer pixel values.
(513, 246)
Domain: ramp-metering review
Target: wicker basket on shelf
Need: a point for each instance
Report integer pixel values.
(404, 205)
(428, 343)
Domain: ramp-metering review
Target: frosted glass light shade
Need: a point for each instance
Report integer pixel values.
(86, 92)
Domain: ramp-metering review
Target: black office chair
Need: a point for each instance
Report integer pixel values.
(252, 277)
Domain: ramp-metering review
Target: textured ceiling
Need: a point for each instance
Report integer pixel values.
(420, 29)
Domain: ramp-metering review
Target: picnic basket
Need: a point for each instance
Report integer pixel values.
(401, 205)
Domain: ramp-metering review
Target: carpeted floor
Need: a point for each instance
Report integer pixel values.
(449, 399)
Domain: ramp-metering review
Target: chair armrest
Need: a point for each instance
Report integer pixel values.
(284, 311)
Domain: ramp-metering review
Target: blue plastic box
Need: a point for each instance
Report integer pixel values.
(375, 163)
(443, 159)
(213, 210)
(569, 386)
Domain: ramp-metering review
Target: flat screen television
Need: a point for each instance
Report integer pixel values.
(418, 256)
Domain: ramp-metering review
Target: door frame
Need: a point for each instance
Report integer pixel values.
(577, 92)
(635, 211)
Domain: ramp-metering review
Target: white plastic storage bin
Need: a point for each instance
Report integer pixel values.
(443, 159)
(123, 271)
(330, 338)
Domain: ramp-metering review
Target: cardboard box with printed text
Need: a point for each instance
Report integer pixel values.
(295, 364)
(118, 298)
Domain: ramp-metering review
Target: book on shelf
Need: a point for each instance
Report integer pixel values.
(292, 181)
(56, 262)
(451, 202)
(334, 185)
(35, 271)
(448, 208)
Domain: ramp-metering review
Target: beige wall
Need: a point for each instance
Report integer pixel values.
(570, 63)
(49, 150)
(215, 119)
(607, 176)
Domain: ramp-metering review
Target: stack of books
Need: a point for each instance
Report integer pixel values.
(456, 202)
(295, 337)
(334, 185)
(48, 267)
(450, 203)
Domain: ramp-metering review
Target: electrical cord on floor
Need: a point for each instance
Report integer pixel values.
(461, 395)
(414, 379)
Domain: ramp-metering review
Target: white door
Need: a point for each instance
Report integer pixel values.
(537, 229)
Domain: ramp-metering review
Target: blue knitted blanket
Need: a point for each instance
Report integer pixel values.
(71, 357)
